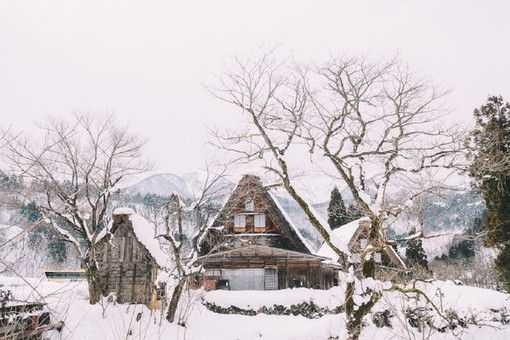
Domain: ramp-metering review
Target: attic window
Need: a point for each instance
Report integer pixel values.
(249, 205)
(239, 221)
(363, 243)
(260, 221)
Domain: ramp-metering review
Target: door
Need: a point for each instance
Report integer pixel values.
(270, 278)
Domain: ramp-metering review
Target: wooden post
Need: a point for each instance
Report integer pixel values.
(308, 276)
(286, 273)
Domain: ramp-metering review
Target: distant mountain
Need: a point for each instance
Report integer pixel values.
(160, 184)
(188, 185)
(455, 211)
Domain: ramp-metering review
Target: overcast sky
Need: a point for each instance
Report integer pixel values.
(148, 61)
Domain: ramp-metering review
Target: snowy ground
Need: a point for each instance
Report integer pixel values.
(68, 301)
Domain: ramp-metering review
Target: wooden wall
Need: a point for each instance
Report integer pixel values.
(125, 266)
(291, 274)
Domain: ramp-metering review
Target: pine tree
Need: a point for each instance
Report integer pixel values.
(57, 248)
(489, 151)
(337, 214)
(464, 249)
(415, 254)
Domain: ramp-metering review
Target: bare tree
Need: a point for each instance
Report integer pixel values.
(183, 224)
(77, 163)
(373, 124)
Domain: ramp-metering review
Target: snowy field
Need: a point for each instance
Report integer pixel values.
(68, 301)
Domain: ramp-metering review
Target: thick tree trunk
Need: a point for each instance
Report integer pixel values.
(353, 323)
(93, 279)
(174, 302)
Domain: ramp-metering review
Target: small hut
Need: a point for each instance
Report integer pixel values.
(129, 259)
(352, 239)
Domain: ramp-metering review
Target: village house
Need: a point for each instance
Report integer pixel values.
(254, 245)
(129, 258)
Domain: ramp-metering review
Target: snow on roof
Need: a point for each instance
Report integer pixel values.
(293, 214)
(298, 219)
(291, 223)
(340, 237)
(144, 232)
(397, 256)
(123, 211)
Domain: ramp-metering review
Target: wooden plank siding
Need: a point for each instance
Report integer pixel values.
(126, 267)
(307, 274)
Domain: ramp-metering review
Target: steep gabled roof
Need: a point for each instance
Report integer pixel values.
(298, 218)
(341, 238)
(287, 228)
(345, 235)
(143, 231)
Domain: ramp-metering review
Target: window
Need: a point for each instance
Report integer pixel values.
(249, 205)
(270, 278)
(260, 221)
(213, 273)
(239, 221)
(363, 243)
(377, 257)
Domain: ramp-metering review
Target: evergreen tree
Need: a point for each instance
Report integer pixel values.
(489, 151)
(464, 249)
(415, 254)
(57, 248)
(337, 214)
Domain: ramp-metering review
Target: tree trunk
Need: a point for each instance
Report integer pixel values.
(93, 279)
(354, 316)
(352, 325)
(174, 302)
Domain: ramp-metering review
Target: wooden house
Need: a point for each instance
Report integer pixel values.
(129, 258)
(254, 245)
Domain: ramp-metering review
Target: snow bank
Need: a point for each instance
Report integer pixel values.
(254, 299)
(108, 321)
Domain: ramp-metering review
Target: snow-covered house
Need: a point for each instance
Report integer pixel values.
(352, 239)
(129, 257)
(253, 244)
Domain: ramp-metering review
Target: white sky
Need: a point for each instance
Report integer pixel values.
(148, 61)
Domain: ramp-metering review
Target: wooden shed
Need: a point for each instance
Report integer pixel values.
(352, 238)
(129, 259)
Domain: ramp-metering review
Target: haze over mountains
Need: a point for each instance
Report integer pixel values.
(454, 211)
